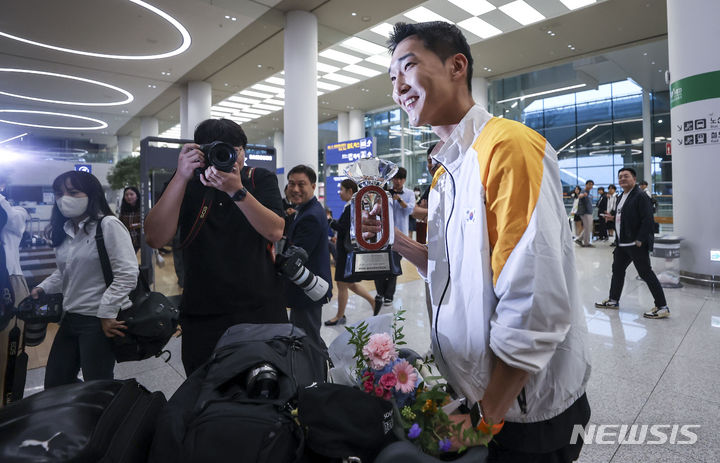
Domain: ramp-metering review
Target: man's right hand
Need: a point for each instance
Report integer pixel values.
(37, 292)
(190, 158)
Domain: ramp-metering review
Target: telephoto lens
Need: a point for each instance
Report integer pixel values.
(291, 263)
(262, 382)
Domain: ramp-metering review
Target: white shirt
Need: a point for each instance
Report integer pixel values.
(611, 202)
(79, 274)
(12, 234)
(618, 216)
(401, 214)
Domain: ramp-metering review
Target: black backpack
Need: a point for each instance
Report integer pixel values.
(238, 406)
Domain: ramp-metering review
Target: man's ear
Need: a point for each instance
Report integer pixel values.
(459, 65)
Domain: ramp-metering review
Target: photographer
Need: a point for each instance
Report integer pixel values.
(227, 255)
(308, 231)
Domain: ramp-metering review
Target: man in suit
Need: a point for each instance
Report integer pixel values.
(309, 230)
(634, 238)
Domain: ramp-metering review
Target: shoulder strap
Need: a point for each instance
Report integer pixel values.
(102, 251)
(207, 202)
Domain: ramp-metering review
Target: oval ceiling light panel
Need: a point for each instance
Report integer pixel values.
(128, 95)
(101, 124)
(175, 23)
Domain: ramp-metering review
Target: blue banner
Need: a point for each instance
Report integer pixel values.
(349, 151)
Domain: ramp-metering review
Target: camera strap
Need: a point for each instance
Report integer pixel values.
(207, 202)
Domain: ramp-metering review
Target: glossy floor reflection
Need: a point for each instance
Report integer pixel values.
(644, 371)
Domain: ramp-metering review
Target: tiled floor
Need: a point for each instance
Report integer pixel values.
(644, 371)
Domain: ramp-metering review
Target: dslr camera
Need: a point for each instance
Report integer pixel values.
(219, 154)
(291, 264)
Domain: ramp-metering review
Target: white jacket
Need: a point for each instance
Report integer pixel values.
(501, 267)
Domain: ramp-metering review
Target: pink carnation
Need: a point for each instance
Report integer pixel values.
(380, 350)
(387, 395)
(379, 391)
(388, 380)
(406, 376)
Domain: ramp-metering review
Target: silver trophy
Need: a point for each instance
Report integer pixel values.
(371, 256)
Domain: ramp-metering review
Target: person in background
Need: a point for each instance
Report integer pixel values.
(130, 214)
(332, 237)
(610, 210)
(342, 226)
(585, 210)
(12, 226)
(229, 271)
(601, 205)
(634, 225)
(309, 231)
(576, 218)
(403, 204)
(91, 307)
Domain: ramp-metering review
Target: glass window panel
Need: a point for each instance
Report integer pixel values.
(660, 102)
(603, 92)
(627, 132)
(627, 107)
(560, 137)
(560, 101)
(624, 88)
(595, 111)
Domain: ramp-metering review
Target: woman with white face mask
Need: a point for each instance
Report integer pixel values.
(91, 308)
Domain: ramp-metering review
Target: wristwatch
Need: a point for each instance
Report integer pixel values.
(240, 194)
(477, 419)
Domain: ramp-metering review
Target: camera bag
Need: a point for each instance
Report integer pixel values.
(151, 320)
(105, 421)
(213, 417)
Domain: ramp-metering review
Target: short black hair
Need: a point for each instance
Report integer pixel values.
(349, 185)
(612, 186)
(431, 148)
(644, 183)
(443, 39)
(601, 188)
(589, 181)
(97, 204)
(224, 130)
(401, 173)
(629, 169)
(303, 169)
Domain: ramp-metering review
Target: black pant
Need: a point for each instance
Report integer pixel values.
(640, 257)
(385, 286)
(309, 318)
(541, 442)
(602, 228)
(79, 344)
(200, 334)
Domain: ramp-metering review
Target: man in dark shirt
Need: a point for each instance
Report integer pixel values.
(585, 211)
(309, 230)
(229, 272)
(601, 206)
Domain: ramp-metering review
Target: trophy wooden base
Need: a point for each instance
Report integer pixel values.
(369, 265)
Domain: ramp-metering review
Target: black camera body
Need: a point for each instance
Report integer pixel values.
(218, 154)
(291, 264)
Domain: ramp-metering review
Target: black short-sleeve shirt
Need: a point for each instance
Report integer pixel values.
(228, 266)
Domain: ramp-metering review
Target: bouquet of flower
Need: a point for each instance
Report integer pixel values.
(380, 371)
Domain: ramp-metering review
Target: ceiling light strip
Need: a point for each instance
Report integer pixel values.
(546, 92)
(102, 125)
(13, 138)
(186, 40)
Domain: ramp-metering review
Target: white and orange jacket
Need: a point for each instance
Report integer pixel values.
(501, 267)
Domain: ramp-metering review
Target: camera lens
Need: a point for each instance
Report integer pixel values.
(222, 155)
(262, 382)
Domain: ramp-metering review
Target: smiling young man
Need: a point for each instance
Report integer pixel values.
(508, 330)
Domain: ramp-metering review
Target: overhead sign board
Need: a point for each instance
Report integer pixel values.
(349, 151)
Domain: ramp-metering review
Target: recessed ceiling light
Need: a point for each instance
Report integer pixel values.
(128, 95)
(101, 124)
(363, 71)
(384, 29)
(363, 46)
(341, 78)
(259, 65)
(381, 60)
(340, 56)
(152, 86)
(422, 14)
(575, 4)
(231, 104)
(479, 27)
(474, 7)
(326, 67)
(176, 24)
(522, 12)
(327, 86)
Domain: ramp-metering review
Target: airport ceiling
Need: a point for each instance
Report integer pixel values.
(96, 68)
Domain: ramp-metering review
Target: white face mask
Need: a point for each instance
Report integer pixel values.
(72, 207)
